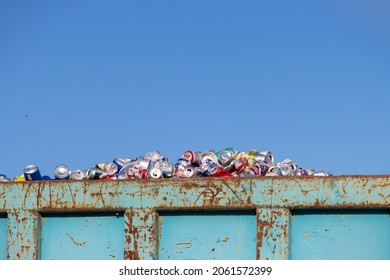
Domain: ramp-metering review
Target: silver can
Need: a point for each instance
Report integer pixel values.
(154, 173)
(155, 155)
(109, 168)
(61, 172)
(191, 171)
(225, 157)
(77, 175)
(94, 173)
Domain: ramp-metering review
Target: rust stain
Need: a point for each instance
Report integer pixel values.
(74, 240)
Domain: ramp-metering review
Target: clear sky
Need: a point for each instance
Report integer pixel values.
(83, 82)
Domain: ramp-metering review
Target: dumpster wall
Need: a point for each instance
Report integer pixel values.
(205, 218)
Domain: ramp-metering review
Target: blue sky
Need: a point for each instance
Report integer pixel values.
(83, 82)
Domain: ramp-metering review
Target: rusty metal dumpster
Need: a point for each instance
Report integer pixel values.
(340, 217)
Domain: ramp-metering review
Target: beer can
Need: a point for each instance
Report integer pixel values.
(77, 175)
(31, 173)
(61, 172)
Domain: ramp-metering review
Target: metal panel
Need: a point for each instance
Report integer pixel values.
(341, 235)
(3, 237)
(207, 235)
(78, 237)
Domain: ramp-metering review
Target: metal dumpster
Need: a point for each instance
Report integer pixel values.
(340, 217)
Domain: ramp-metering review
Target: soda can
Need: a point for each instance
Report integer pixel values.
(77, 175)
(61, 172)
(31, 173)
(94, 173)
(46, 177)
(109, 168)
(209, 156)
(221, 173)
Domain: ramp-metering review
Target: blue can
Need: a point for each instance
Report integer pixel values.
(31, 173)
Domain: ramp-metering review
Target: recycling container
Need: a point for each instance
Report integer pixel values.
(337, 217)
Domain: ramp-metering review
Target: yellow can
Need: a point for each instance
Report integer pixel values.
(19, 179)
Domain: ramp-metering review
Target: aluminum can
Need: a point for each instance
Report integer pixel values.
(94, 173)
(265, 156)
(225, 157)
(77, 175)
(167, 169)
(322, 173)
(209, 167)
(310, 172)
(209, 156)
(239, 166)
(154, 173)
(274, 170)
(31, 173)
(191, 171)
(193, 157)
(155, 155)
(19, 178)
(4, 178)
(120, 162)
(109, 168)
(46, 177)
(61, 172)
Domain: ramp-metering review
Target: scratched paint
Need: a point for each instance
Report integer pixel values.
(82, 237)
(273, 198)
(207, 236)
(3, 237)
(340, 235)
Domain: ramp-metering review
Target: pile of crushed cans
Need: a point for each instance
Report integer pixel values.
(225, 163)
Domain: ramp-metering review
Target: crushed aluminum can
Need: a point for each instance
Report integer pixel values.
(192, 157)
(61, 172)
(206, 156)
(208, 167)
(4, 178)
(167, 169)
(94, 173)
(109, 168)
(19, 178)
(77, 175)
(322, 173)
(191, 171)
(274, 170)
(155, 155)
(239, 166)
(154, 173)
(265, 156)
(310, 172)
(120, 162)
(31, 173)
(225, 157)
(179, 173)
(301, 172)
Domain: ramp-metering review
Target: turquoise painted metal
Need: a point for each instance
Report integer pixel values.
(240, 218)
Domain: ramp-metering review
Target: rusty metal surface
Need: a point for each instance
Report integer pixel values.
(239, 193)
(142, 200)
